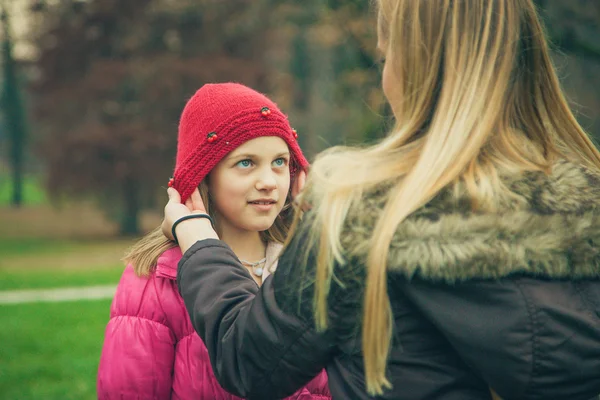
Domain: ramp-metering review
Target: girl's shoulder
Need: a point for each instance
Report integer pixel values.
(149, 297)
(166, 265)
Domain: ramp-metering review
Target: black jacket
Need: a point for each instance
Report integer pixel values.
(508, 300)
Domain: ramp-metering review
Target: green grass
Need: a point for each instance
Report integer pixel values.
(45, 263)
(51, 350)
(43, 278)
(24, 246)
(33, 192)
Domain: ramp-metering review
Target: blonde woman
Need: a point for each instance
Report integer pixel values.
(459, 258)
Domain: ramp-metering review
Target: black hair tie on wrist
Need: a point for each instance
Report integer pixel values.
(185, 218)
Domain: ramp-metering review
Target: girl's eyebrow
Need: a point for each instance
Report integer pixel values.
(241, 156)
(250, 155)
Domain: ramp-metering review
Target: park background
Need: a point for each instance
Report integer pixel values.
(90, 96)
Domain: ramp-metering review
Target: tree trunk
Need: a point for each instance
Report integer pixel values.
(17, 173)
(131, 208)
(14, 113)
(321, 125)
(300, 69)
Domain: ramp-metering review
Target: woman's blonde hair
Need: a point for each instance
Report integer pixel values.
(144, 255)
(477, 94)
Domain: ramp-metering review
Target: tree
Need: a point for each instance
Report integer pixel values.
(115, 77)
(13, 110)
(329, 79)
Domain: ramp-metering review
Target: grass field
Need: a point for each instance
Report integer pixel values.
(43, 279)
(44, 263)
(38, 263)
(51, 350)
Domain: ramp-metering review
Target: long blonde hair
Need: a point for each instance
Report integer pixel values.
(478, 95)
(144, 255)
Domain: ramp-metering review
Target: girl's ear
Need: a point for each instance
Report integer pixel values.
(297, 183)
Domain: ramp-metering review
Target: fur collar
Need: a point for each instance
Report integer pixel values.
(551, 230)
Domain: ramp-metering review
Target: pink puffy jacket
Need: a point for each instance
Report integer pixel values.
(151, 350)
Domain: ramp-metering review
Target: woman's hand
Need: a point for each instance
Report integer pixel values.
(189, 231)
(175, 209)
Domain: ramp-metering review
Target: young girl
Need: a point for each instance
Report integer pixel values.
(239, 149)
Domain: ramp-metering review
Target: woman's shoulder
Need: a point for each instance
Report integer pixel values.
(552, 230)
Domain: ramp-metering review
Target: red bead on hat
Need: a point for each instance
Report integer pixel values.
(211, 137)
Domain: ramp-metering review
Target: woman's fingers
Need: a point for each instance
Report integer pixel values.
(197, 203)
(173, 211)
(173, 195)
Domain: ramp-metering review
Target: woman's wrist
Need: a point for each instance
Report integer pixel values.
(192, 230)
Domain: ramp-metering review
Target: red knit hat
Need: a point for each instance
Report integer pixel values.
(218, 119)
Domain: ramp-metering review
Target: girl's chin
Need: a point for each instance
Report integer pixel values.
(252, 222)
(262, 228)
(262, 225)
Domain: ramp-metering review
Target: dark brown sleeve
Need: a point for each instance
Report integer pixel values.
(257, 350)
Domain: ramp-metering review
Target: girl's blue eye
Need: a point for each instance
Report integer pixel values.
(280, 162)
(245, 163)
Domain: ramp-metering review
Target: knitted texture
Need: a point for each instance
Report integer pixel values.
(218, 119)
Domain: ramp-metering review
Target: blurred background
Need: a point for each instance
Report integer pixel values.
(91, 92)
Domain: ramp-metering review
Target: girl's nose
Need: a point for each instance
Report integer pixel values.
(266, 181)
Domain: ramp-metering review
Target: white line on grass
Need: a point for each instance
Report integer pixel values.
(55, 295)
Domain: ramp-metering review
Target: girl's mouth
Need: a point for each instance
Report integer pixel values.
(263, 204)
